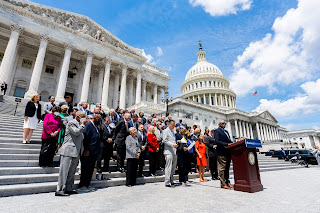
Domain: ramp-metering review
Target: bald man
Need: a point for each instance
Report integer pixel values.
(222, 139)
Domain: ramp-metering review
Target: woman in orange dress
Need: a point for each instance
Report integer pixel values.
(201, 157)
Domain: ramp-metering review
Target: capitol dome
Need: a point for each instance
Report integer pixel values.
(205, 83)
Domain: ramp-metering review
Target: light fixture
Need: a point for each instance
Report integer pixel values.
(74, 70)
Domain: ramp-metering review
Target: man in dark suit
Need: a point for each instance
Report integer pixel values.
(212, 152)
(107, 146)
(141, 115)
(133, 122)
(222, 139)
(4, 87)
(143, 142)
(120, 134)
(68, 102)
(92, 148)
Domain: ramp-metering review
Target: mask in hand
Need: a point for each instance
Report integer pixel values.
(56, 113)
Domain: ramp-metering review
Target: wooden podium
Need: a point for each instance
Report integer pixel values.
(245, 165)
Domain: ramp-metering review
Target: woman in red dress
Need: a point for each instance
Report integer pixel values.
(201, 157)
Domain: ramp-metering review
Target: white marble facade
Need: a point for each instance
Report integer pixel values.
(40, 45)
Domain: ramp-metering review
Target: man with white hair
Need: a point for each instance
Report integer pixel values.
(70, 155)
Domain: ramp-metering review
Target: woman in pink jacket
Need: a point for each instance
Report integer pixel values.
(52, 124)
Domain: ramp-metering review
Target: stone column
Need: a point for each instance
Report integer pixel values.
(226, 100)
(199, 99)
(244, 129)
(38, 65)
(236, 127)
(105, 88)
(81, 74)
(278, 134)
(86, 78)
(204, 99)
(144, 90)
(8, 58)
(221, 100)
(265, 132)
(130, 90)
(138, 89)
(215, 99)
(248, 130)
(268, 132)
(122, 102)
(116, 90)
(155, 93)
(100, 85)
(13, 69)
(258, 131)
(251, 132)
(159, 96)
(64, 74)
(240, 129)
(210, 99)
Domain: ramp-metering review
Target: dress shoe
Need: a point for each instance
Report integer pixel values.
(83, 189)
(73, 192)
(213, 178)
(230, 186)
(168, 185)
(61, 194)
(225, 187)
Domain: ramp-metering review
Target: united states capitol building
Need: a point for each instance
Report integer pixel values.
(50, 51)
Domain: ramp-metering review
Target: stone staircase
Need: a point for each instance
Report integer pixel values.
(20, 174)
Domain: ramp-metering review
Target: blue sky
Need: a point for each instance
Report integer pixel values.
(263, 45)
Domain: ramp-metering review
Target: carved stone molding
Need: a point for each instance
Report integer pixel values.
(74, 23)
(44, 37)
(68, 46)
(89, 53)
(17, 28)
(107, 60)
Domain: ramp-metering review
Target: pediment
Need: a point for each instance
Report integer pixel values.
(72, 22)
(267, 115)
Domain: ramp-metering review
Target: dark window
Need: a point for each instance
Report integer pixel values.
(49, 69)
(70, 74)
(26, 63)
(1, 56)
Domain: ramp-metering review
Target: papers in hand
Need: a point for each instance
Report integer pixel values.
(191, 145)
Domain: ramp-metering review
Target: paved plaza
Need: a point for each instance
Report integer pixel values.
(295, 190)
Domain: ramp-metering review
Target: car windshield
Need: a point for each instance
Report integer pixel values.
(304, 152)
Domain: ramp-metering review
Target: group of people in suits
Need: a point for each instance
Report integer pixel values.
(91, 137)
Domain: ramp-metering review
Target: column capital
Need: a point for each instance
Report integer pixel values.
(68, 46)
(123, 66)
(107, 60)
(89, 53)
(139, 71)
(16, 28)
(44, 37)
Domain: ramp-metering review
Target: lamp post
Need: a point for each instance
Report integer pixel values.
(166, 100)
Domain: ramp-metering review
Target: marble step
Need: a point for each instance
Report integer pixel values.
(11, 150)
(48, 170)
(32, 188)
(38, 178)
(22, 156)
(19, 145)
(17, 139)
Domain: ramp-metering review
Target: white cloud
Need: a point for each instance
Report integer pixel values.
(222, 7)
(308, 102)
(149, 57)
(159, 51)
(289, 55)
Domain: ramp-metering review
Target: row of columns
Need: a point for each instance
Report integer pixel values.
(243, 129)
(267, 133)
(215, 99)
(103, 82)
(205, 84)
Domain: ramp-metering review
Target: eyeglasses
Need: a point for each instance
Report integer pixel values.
(223, 123)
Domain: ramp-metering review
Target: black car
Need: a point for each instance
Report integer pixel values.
(308, 157)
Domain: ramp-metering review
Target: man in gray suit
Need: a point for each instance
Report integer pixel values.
(170, 148)
(49, 105)
(70, 154)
